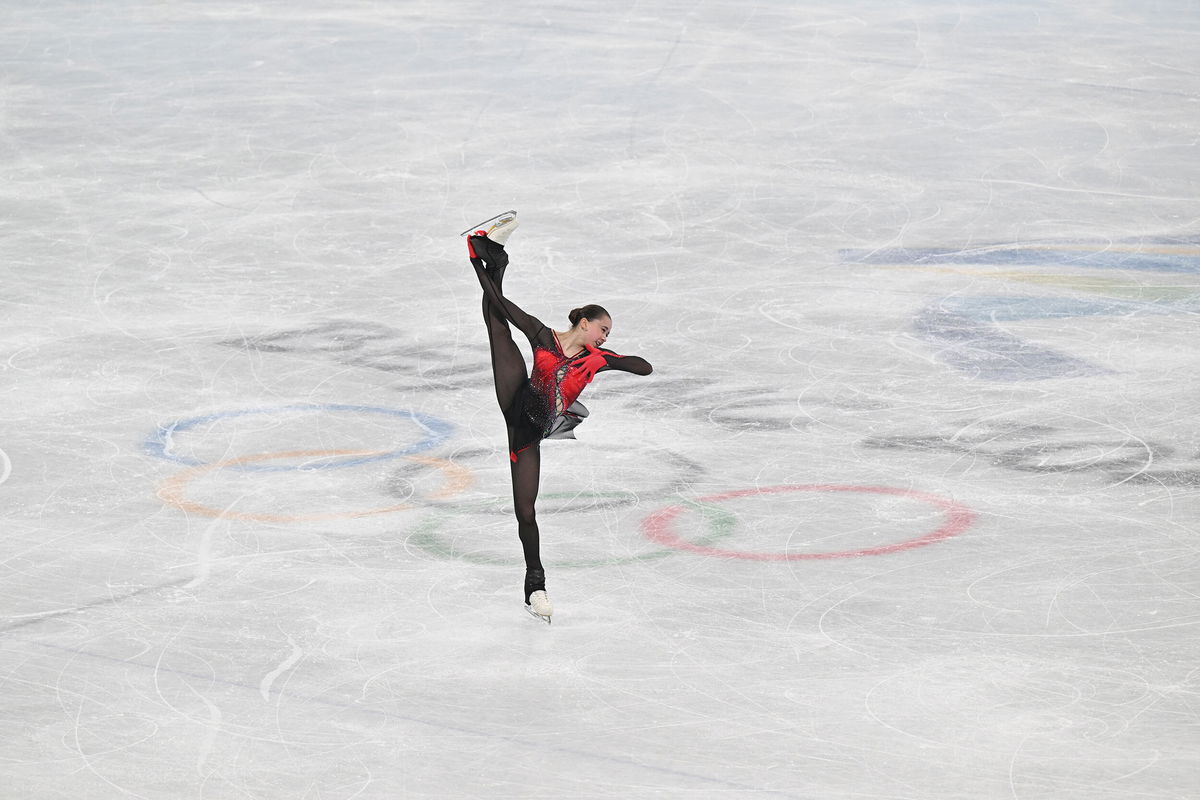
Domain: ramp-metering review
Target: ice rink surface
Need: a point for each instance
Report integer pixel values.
(908, 509)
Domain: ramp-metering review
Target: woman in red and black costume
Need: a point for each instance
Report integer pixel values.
(542, 404)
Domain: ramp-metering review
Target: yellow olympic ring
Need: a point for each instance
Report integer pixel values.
(172, 490)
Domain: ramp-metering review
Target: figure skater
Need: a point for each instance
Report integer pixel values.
(541, 405)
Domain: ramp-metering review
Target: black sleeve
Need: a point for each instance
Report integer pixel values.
(527, 324)
(635, 364)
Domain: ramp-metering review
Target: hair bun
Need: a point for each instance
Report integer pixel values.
(591, 312)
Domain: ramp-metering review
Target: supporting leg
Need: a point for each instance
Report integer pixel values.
(526, 475)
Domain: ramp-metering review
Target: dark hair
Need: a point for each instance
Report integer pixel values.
(590, 312)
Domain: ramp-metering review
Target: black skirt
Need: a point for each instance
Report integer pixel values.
(529, 421)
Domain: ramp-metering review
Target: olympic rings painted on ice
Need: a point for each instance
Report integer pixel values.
(173, 489)
(426, 538)
(667, 475)
(658, 527)
(436, 431)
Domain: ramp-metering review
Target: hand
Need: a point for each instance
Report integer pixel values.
(587, 366)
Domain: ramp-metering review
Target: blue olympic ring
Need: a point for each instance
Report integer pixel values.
(437, 431)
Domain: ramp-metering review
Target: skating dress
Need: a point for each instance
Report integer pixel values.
(546, 406)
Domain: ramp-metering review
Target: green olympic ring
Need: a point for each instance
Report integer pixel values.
(684, 472)
(424, 536)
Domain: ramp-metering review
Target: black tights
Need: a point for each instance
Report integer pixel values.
(510, 373)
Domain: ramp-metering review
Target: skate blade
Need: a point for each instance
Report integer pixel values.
(543, 617)
(486, 225)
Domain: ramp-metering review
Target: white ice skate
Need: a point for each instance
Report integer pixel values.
(498, 228)
(539, 606)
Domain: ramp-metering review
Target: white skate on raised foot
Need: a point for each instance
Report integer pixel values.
(539, 606)
(498, 228)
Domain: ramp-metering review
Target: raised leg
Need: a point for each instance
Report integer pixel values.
(508, 364)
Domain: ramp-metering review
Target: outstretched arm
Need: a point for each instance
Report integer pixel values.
(635, 364)
(527, 324)
(598, 360)
(585, 366)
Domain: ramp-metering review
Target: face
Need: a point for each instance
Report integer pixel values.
(597, 330)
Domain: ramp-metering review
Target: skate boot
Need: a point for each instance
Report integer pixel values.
(486, 241)
(498, 228)
(536, 601)
(501, 229)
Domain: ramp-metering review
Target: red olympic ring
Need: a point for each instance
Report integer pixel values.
(659, 526)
